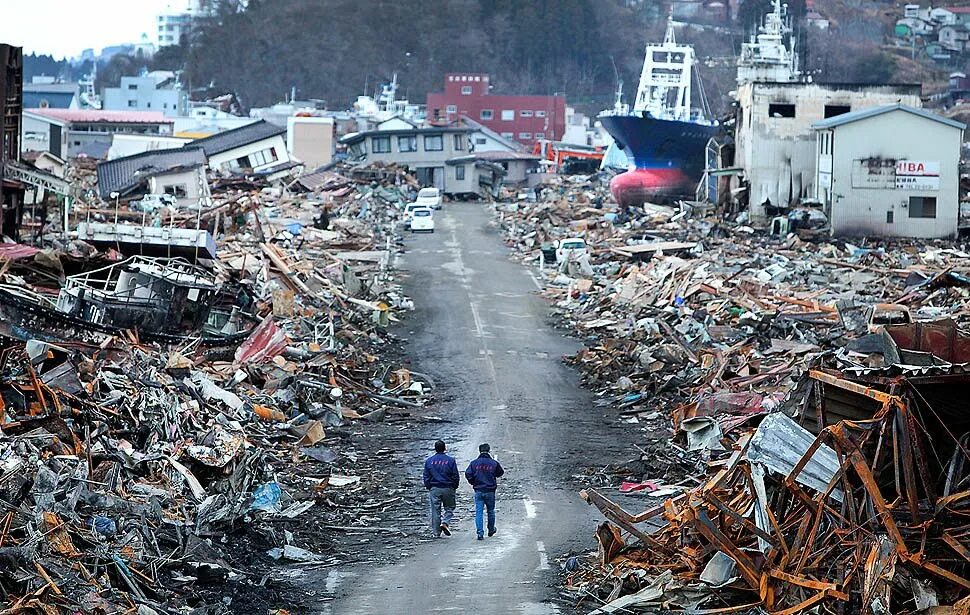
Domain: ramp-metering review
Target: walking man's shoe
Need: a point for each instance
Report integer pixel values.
(445, 530)
(480, 537)
(491, 533)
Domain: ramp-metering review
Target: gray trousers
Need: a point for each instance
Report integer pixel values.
(438, 498)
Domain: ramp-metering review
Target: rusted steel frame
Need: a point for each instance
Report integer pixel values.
(917, 430)
(819, 404)
(620, 517)
(779, 536)
(806, 548)
(853, 387)
(865, 475)
(827, 587)
(942, 572)
(801, 606)
(710, 531)
(748, 525)
(736, 457)
(956, 545)
(901, 426)
(38, 389)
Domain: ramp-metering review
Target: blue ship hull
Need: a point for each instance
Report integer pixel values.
(668, 155)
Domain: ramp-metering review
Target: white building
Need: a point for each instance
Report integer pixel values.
(892, 170)
(173, 23)
(775, 145)
(311, 140)
(258, 148)
(158, 91)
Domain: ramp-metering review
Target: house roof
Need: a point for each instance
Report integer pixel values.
(514, 146)
(124, 174)
(356, 137)
(494, 156)
(47, 88)
(96, 116)
(855, 116)
(958, 9)
(237, 137)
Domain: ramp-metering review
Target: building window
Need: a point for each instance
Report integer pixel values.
(148, 105)
(836, 110)
(540, 135)
(380, 145)
(433, 143)
(466, 90)
(451, 109)
(922, 207)
(486, 114)
(132, 103)
(508, 135)
(459, 143)
(132, 86)
(176, 190)
(525, 113)
(781, 110)
(407, 144)
(527, 136)
(264, 157)
(508, 115)
(889, 217)
(460, 172)
(480, 141)
(540, 114)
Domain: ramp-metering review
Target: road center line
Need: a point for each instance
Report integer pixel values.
(543, 558)
(530, 508)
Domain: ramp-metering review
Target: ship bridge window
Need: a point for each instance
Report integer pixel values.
(834, 110)
(781, 110)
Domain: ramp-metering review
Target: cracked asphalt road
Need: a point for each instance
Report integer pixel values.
(481, 330)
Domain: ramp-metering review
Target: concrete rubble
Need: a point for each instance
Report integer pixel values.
(157, 413)
(802, 443)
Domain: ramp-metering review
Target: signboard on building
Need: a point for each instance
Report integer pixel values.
(918, 175)
(874, 173)
(889, 174)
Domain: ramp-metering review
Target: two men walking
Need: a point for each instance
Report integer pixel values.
(441, 480)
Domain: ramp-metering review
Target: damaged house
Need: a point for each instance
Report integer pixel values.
(890, 171)
(775, 143)
(258, 148)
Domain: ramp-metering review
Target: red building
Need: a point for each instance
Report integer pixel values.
(522, 118)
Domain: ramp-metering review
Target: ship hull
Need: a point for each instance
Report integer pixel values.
(667, 155)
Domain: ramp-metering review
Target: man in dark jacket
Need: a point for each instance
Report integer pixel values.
(441, 479)
(482, 473)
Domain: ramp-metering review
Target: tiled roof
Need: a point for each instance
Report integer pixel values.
(98, 115)
(123, 174)
(237, 137)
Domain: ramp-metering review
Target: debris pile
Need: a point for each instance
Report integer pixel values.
(154, 408)
(811, 452)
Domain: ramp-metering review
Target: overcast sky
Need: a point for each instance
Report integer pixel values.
(63, 28)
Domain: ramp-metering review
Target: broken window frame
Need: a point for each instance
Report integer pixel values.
(459, 172)
(380, 145)
(781, 110)
(407, 143)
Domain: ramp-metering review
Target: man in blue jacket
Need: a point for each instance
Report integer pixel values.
(482, 473)
(441, 479)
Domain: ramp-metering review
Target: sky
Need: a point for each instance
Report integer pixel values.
(63, 28)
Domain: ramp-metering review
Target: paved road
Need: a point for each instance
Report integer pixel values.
(481, 330)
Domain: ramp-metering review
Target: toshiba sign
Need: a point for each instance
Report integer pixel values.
(918, 175)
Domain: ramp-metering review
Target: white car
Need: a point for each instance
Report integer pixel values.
(422, 219)
(409, 211)
(429, 197)
(573, 247)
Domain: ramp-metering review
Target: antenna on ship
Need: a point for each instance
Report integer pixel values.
(669, 38)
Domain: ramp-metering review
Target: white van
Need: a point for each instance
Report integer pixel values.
(429, 197)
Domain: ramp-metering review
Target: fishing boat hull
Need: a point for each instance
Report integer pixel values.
(667, 156)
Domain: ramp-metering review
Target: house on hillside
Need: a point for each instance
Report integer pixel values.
(955, 37)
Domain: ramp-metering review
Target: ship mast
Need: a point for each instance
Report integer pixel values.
(766, 57)
(665, 81)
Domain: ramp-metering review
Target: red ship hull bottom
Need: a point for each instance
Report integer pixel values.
(641, 186)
